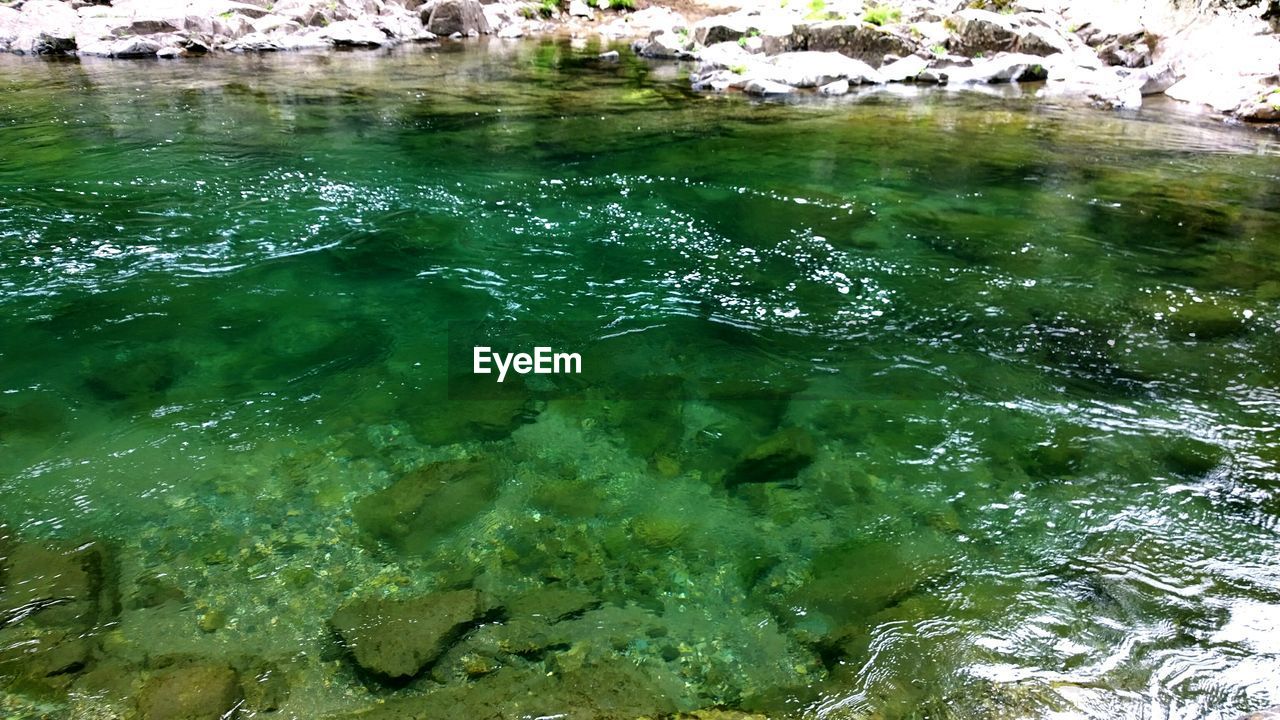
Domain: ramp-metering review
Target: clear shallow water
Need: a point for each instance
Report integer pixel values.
(1035, 350)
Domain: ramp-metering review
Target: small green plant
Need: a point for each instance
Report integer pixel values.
(623, 4)
(881, 15)
(817, 10)
(938, 49)
(738, 69)
(547, 8)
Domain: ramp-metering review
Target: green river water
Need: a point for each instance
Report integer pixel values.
(1029, 356)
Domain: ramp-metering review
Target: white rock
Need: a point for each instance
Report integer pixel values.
(811, 69)
(839, 87)
(905, 69)
(763, 87)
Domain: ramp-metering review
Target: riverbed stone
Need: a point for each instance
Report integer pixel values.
(194, 692)
(53, 598)
(397, 638)
(777, 458)
(596, 688)
(421, 506)
(551, 603)
(851, 582)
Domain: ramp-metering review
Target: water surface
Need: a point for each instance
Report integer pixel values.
(1035, 349)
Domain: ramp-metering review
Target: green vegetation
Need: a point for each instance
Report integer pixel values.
(818, 11)
(547, 8)
(938, 49)
(881, 15)
(623, 4)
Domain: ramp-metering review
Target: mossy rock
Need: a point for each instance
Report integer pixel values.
(551, 603)
(394, 639)
(611, 688)
(476, 410)
(1189, 457)
(778, 458)
(194, 692)
(57, 585)
(135, 376)
(53, 598)
(422, 506)
(851, 583)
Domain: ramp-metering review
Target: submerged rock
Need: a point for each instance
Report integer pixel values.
(137, 376)
(552, 603)
(195, 692)
(778, 458)
(419, 507)
(848, 584)
(53, 598)
(610, 688)
(397, 638)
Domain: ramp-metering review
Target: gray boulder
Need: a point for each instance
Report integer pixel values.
(856, 39)
(313, 13)
(45, 27)
(446, 17)
(1006, 67)
(1156, 79)
(668, 46)
(766, 88)
(905, 69)
(9, 23)
(811, 69)
(839, 87)
(354, 33)
(257, 42)
(981, 31)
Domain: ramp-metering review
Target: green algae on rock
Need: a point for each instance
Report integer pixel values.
(423, 505)
(397, 638)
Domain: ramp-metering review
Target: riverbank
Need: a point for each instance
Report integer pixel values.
(1108, 54)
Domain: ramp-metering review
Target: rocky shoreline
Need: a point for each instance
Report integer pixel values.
(1108, 54)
